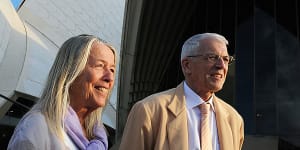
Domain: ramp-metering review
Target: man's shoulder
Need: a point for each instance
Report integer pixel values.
(158, 98)
(229, 108)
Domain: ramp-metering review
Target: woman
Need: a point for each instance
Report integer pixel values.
(68, 115)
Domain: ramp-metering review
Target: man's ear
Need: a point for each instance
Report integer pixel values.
(186, 66)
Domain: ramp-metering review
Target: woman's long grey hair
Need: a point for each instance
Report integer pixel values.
(69, 63)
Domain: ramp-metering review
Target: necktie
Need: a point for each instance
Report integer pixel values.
(206, 137)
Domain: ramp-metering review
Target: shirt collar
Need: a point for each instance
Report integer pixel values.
(194, 100)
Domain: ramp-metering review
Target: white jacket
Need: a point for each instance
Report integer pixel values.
(32, 133)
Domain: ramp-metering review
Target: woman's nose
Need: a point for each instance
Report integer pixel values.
(108, 75)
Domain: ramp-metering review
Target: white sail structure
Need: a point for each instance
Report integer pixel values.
(31, 36)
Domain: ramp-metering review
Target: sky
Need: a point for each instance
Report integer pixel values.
(16, 3)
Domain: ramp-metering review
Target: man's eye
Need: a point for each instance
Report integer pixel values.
(213, 57)
(226, 59)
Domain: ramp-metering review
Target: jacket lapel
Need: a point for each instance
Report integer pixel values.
(177, 130)
(224, 129)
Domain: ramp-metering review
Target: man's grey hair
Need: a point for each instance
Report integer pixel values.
(192, 44)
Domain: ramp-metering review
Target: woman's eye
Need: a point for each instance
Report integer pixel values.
(100, 65)
(112, 70)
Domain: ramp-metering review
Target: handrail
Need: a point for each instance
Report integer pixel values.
(15, 102)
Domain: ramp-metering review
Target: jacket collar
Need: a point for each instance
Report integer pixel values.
(224, 129)
(177, 104)
(177, 130)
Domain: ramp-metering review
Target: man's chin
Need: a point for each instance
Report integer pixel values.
(215, 89)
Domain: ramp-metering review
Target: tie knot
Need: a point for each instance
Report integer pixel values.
(204, 108)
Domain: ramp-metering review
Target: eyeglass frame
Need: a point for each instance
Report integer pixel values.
(214, 58)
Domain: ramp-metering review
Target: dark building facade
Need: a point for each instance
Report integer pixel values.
(267, 69)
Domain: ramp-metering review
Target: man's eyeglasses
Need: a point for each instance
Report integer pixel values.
(214, 58)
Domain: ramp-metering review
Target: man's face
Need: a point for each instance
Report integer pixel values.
(204, 75)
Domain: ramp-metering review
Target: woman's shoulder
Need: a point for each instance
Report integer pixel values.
(31, 124)
(29, 131)
(32, 120)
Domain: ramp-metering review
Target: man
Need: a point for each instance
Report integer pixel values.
(171, 120)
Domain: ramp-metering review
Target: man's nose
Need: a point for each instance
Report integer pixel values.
(221, 63)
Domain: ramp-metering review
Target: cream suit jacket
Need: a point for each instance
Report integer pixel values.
(159, 122)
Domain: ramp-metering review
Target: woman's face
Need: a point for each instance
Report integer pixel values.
(91, 88)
